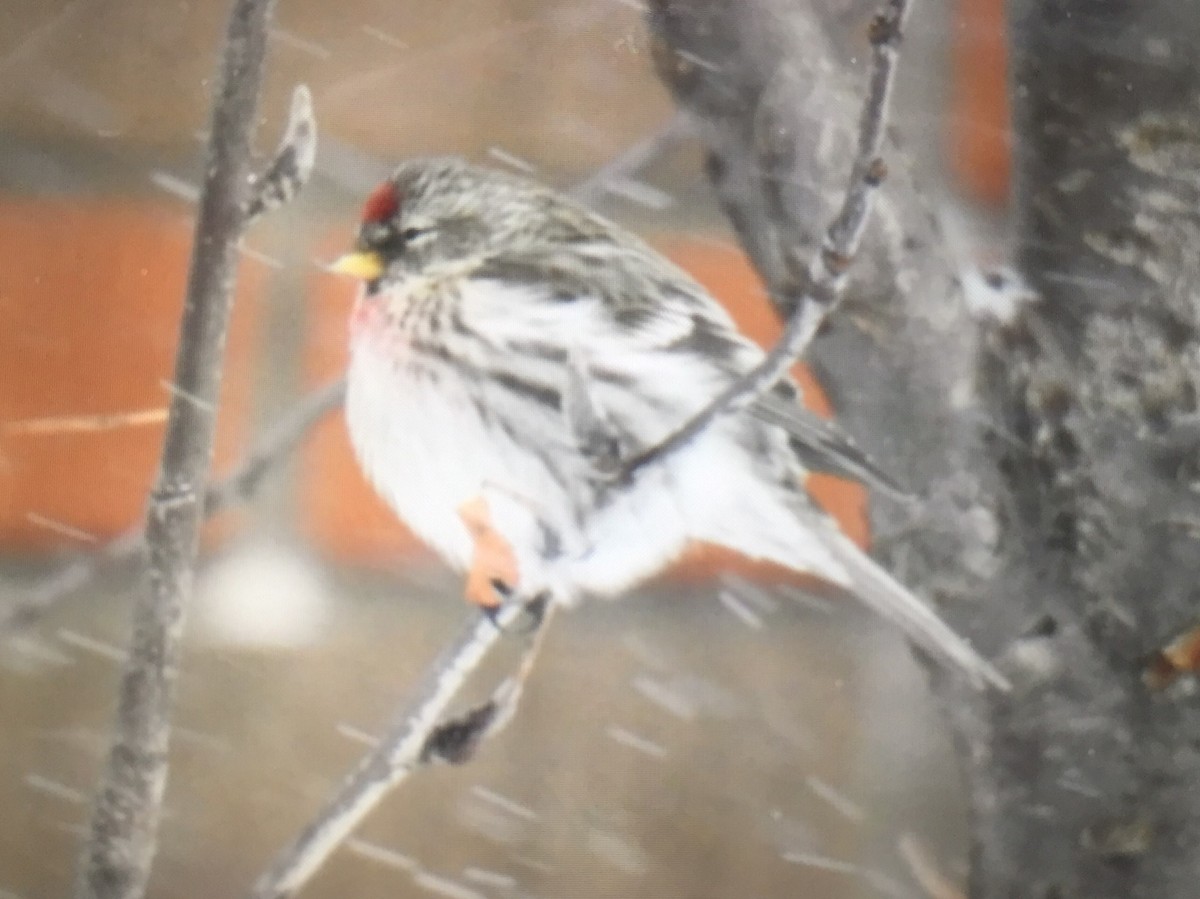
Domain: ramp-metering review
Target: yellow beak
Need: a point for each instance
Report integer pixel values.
(362, 264)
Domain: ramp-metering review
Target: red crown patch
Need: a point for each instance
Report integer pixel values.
(382, 204)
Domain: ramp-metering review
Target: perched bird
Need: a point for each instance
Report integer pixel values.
(510, 348)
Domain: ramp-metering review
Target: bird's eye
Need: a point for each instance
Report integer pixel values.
(376, 234)
(411, 234)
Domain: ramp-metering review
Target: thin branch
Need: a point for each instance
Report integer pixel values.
(632, 159)
(276, 444)
(123, 835)
(824, 282)
(238, 487)
(455, 741)
(37, 600)
(292, 166)
(417, 736)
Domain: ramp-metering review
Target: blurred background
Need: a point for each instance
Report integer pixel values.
(724, 733)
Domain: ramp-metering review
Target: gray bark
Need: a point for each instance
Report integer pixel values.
(1054, 456)
(123, 834)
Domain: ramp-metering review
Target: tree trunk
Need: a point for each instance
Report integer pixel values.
(1052, 454)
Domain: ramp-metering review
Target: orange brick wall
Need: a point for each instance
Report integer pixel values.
(978, 134)
(90, 297)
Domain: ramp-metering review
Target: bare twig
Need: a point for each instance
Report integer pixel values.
(238, 486)
(417, 736)
(276, 444)
(456, 740)
(37, 600)
(632, 159)
(123, 835)
(292, 166)
(823, 283)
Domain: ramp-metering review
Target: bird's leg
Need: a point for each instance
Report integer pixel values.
(533, 614)
(493, 575)
(511, 544)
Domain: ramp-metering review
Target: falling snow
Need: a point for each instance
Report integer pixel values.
(697, 739)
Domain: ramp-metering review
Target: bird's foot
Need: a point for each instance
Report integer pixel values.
(493, 580)
(493, 574)
(529, 619)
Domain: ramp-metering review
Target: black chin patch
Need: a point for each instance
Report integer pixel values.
(374, 286)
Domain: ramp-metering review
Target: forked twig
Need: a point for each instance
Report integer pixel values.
(237, 487)
(38, 599)
(822, 285)
(292, 166)
(416, 737)
(456, 740)
(632, 159)
(276, 444)
(123, 834)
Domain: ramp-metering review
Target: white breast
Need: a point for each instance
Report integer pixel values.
(426, 450)
(418, 447)
(427, 454)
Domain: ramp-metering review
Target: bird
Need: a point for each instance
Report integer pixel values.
(511, 349)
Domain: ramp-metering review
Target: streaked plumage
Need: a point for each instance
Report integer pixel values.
(508, 332)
